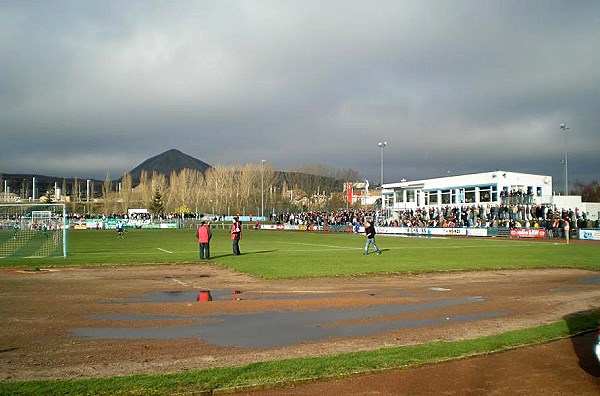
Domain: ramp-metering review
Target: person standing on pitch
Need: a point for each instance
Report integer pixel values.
(370, 233)
(204, 234)
(120, 230)
(236, 235)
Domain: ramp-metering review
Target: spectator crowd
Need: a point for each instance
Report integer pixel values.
(508, 216)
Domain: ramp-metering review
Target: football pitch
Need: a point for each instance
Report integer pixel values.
(107, 319)
(283, 254)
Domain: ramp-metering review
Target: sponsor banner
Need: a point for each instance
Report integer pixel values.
(272, 227)
(528, 233)
(158, 226)
(477, 232)
(93, 223)
(111, 224)
(590, 235)
(420, 231)
(453, 231)
(304, 227)
(338, 228)
(382, 230)
(245, 218)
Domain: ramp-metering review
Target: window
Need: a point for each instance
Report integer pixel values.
(469, 195)
(432, 197)
(454, 196)
(485, 194)
(446, 197)
(399, 196)
(389, 201)
(410, 195)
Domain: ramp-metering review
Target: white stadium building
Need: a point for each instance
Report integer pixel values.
(488, 188)
(497, 187)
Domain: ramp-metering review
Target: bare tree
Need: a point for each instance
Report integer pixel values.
(75, 195)
(126, 192)
(181, 191)
(197, 197)
(64, 190)
(590, 192)
(143, 191)
(107, 194)
(220, 180)
(249, 186)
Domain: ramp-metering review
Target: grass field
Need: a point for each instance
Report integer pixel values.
(280, 254)
(274, 254)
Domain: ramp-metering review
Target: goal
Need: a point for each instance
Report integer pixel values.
(33, 230)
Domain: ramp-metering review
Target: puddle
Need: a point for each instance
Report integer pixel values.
(284, 328)
(227, 295)
(170, 296)
(566, 289)
(591, 279)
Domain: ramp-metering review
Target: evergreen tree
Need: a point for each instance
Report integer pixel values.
(48, 196)
(156, 205)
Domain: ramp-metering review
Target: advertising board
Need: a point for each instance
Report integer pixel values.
(528, 233)
(590, 235)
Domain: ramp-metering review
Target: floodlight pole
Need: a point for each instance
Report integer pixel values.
(565, 128)
(382, 146)
(262, 188)
(87, 196)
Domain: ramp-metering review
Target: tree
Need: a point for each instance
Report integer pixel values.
(125, 192)
(182, 188)
(156, 206)
(220, 181)
(64, 189)
(107, 194)
(145, 187)
(49, 196)
(589, 192)
(75, 195)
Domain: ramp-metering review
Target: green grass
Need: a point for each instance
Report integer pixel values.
(277, 373)
(274, 254)
(279, 254)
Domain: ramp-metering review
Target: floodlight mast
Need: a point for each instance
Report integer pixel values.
(382, 146)
(262, 189)
(565, 128)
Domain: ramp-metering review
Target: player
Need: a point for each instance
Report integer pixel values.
(370, 233)
(120, 229)
(16, 229)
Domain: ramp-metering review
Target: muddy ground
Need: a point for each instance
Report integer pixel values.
(45, 314)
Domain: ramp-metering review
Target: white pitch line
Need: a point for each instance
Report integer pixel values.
(182, 283)
(163, 250)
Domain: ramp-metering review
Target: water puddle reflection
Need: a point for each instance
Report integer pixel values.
(284, 328)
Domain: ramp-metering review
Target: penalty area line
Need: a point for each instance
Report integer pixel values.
(163, 250)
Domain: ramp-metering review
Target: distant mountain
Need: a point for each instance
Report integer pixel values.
(167, 162)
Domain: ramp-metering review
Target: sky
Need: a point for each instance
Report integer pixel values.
(90, 88)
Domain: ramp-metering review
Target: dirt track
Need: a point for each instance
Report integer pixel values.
(39, 311)
(564, 367)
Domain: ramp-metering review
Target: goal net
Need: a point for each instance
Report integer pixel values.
(33, 230)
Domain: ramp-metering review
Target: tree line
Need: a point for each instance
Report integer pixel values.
(222, 190)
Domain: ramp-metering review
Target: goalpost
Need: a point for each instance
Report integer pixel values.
(33, 230)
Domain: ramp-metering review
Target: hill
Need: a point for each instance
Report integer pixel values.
(165, 163)
(170, 161)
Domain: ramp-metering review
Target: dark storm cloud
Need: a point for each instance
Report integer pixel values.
(462, 86)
